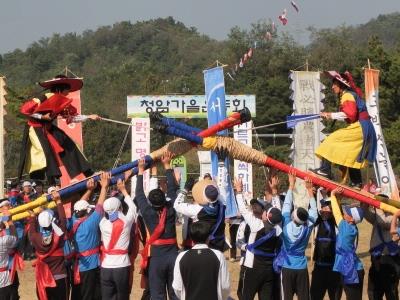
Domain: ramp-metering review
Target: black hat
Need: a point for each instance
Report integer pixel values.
(300, 215)
(274, 215)
(157, 198)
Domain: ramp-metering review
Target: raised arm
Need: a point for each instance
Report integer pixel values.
(141, 198)
(248, 216)
(335, 205)
(132, 211)
(313, 211)
(288, 203)
(172, 186)
(187, 209)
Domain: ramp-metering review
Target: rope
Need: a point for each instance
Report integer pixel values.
(121, 149)
(279, 123)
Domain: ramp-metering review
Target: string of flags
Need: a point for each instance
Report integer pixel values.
(268, 37)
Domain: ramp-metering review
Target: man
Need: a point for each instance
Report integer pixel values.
(201, 273)
(347, 263)
(262, 247)
(206, 208)
(115, 228)
(9, 259)
(324, 279)
(47, 236)
(45, 147)
(383, 279)
(297, 228)
(160, 251)
(28, 193)
(86, 241)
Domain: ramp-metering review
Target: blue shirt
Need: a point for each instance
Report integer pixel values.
(346, 241)
(88, 237)
(291, 232)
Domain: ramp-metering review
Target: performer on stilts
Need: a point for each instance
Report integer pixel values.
(351, 147)
(45, 147)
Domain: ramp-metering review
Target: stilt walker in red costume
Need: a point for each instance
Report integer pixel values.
(45, 147)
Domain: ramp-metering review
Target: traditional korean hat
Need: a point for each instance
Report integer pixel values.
(337, 76)
(205, 192)
(74, 83)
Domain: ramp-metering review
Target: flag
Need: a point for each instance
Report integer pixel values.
(294, 5)
(283, 17)
(294, 119)
(216, 111)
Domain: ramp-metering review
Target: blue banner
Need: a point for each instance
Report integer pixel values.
(216, 111)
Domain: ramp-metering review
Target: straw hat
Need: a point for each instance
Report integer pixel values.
(205, 191)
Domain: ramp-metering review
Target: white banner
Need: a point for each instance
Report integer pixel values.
(184, 106)
(205, 162)
(383, 167)
(243, 170)
(307, 97)
(141, 148)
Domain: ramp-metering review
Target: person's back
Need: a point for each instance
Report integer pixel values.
(201, 272)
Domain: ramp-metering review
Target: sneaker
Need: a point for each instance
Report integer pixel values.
(321, 173)
(356, 186)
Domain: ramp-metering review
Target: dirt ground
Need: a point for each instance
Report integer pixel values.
(27, 280)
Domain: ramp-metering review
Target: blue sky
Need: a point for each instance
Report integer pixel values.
(25, 21)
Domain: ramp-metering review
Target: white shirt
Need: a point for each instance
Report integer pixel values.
(223, 275)
(118, 261)
(241, 242)
(255, 225)
(7, 243)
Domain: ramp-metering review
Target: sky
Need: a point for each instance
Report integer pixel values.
(23, 22)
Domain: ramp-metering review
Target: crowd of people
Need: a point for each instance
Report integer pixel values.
(91, 255)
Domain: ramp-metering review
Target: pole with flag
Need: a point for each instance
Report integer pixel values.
(3, 102)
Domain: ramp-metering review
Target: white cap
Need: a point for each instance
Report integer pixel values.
(111, 205)
(26, 183)
(81, 205)
(51, 189)
(4, 203)
(45, 218)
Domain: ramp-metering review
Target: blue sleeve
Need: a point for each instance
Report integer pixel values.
(94, 218)
(287, 207)
(172, 186)
(313, 212)
(141, 199)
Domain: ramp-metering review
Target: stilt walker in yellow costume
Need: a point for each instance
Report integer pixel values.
(351, 147)
(45, 147)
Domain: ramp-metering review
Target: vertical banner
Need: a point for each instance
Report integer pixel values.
(141, 148)
(382, 165)
(179, 165)
(306, 136)
(205, 162)
(216, 111)
(3, 102)
(74, 131)
(243, 133)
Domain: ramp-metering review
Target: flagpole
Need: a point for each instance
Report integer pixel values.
(2, 113)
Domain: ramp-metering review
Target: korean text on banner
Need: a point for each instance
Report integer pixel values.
(383, 167)
(184, 106)
(306, 136)
(216, 112)
(244, 170)
(141, 148)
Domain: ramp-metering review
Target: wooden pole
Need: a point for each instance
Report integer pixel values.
(2, 113)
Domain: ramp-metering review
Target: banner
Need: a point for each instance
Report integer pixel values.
(179, 166)
(141, 148)
(307, 135)
(216, 111)
(383, 168)
(205, 162)
(243, 133)
(184, 106)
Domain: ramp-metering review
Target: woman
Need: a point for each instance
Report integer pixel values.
(351, 147)
(45, 147)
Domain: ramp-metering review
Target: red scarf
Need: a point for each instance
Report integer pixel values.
(77, 255)
(117, 227)
(43, 275)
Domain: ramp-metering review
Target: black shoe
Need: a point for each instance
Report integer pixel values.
(321, 172)
(356, 186)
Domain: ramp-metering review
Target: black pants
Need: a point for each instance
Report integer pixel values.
(325, 280)
(354, 291)
(161, 275)
(240, 283)
(10, 292)
(383, 278)
(89, 288)
(258, 280)
(115, 283)
(295, 282)
(233, 229)
(60, 292)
